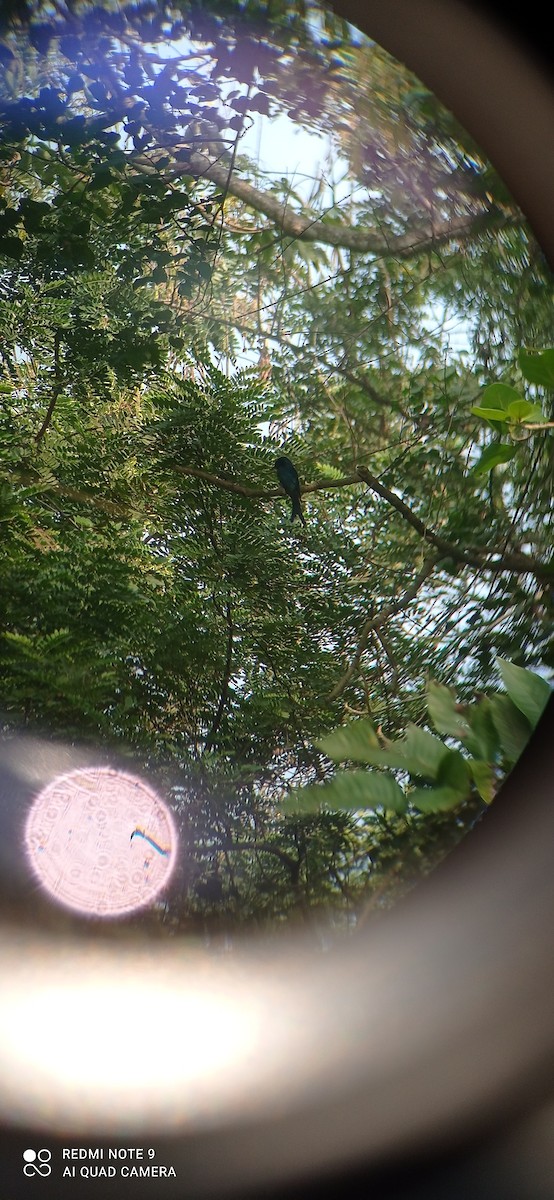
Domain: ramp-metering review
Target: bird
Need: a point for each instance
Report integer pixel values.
(288, 478)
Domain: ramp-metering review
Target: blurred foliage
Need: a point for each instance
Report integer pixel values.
(493, 734)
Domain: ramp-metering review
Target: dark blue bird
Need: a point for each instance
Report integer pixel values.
(288, 478)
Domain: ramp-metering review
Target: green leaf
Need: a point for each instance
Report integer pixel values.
(434, 799)
(519, 410)
(101, 178)
(11, 247)
(535, 413)
(441, 706)
(422, 752)
(453, 773)
(483, 778)
(260, 103)
(492, 457)
(33, 212)
(204, 270)
(9, 219)
(499, 396)
(418, 752)
(306, 800)
(353, 742)
(512, 727)
(482, 738)
(490, 414)
(537, 368)
(350, 790)
(529, 692)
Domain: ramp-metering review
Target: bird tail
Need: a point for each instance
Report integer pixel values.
(297, 509)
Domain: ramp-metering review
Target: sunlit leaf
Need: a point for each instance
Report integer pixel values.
(519, 410)
(351, 790)
(443, 710)
(499, 396)
(529, 692)
(434, 799)
(483, 777)
(491, 414)
(423, 752)
(352, 742)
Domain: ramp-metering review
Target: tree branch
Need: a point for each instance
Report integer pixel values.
(358, 238)
(316, 229)
(258, 493)
(515, 562)
(473, 556)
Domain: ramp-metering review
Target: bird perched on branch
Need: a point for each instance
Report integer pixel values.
(288, 478)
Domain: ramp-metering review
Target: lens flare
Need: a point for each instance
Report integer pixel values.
(101, 841)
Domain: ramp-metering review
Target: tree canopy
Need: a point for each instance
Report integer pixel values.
(175, 313)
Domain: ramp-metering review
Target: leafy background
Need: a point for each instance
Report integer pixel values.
(174, 314)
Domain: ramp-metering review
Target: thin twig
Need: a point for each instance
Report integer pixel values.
(58, 384)
(375, 623)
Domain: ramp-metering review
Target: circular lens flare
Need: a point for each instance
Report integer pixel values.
(101, 841)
